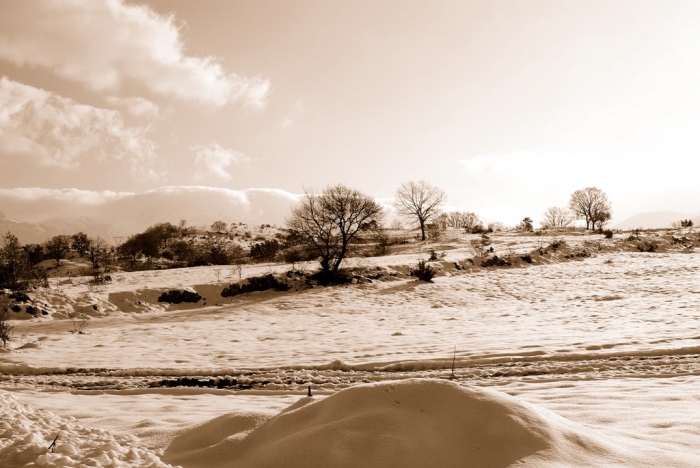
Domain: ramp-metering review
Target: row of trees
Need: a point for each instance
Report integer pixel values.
(590, 204)
(329, 222)
(422, 202)
(17, 261)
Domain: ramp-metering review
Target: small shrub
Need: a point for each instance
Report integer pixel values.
(177, 296)
(80, 321)
(526, 258)
(495, 261)
(525, 225)
(608, 233)
(16, 308)
(647, 245)
(381, 243)
(257, 283)
(435, 256)
(434, 231)
(423, 271)
(265, 251)
(557, 242)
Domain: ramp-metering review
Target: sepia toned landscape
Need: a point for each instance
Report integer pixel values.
(362, 234)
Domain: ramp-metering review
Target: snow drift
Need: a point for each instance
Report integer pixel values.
(26, 434)
(412, 423)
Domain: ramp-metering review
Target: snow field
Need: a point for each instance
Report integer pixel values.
(26, 434)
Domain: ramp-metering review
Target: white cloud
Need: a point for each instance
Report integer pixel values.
(58, 131)
(136, 106)
(85, 197)
(103, 43)
(216, 159)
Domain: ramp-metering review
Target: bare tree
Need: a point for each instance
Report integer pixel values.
(419, 200)
(557, 217)
(591, 204)
(328, 223)
(96, 250)
(441, 220)
(454, 219)
(471, 223)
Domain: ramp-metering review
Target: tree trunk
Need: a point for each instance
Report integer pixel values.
(422, 229)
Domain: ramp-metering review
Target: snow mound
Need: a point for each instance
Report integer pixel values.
(412, 423)
(26, 434)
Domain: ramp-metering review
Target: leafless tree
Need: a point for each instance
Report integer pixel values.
(419, 200)
(454, 219)
(328, 223)
(441, 220)
(496, 226)
(96, 250)
(471, 222)
(591, 204)
(557, 217)
(58, 247)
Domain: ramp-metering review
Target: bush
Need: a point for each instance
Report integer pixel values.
(435, 256)
(608, 234)
(177, 296)
(423, 271)
(557, 242)
(434, 231)
(265, 251)
(495, 261)
(647, 245)
(526, 258)
(257, 283)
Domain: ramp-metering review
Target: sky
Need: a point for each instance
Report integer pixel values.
(508, 106)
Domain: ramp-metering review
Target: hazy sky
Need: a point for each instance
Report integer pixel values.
(509, 106)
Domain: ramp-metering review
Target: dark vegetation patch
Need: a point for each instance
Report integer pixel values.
(216, 382)
(178, 296)
(495, 261)
(256, 283)
(423, 271)
(19, 297)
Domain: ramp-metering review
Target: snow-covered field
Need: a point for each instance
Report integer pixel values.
(600, 357)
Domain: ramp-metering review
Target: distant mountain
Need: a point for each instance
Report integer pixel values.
(34, 214)
(655, 220)
(36, 233)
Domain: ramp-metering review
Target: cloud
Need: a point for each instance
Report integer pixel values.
(136, 106)
(216, 159)
(129, 212)
(84, 197)
(58, 131)
(124, 42)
